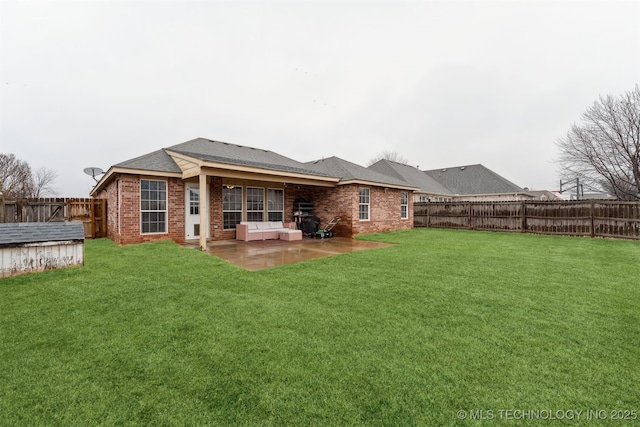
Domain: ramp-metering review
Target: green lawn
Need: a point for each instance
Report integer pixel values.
(157, 334)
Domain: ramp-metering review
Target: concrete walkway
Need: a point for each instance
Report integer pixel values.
(261, 254)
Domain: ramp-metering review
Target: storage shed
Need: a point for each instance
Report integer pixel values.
(30, 247)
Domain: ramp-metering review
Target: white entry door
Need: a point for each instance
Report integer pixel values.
(192, 211)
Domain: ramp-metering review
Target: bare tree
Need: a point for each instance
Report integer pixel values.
(394, 156)
(15, 176)
(604, 149)
(18, 181)
(43, 182)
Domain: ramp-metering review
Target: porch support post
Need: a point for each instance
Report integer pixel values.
(204, 208)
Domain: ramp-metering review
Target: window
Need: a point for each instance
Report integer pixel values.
(364, 207)
(255, 204)
(275, 204)
(231, 207)
(194, 201)
(153, 206)
(404, 205)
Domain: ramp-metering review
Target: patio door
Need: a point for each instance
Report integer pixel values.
(192, 211)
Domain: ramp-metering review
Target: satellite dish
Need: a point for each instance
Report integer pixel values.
(93, 172)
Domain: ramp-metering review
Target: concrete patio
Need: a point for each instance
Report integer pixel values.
(261, 254)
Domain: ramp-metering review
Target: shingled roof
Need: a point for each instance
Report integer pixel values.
(39, 232)
(473, 179)
(412, 175)
(217, 151)
(347, 171)
(224, 152)
(156, 161)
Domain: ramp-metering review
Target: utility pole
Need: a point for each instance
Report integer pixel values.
(579, 188)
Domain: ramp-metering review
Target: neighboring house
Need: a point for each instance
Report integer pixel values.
(430, 189)
(476, 183)
(591, 196)
(161, 195)
(544, 195)
(460, 183)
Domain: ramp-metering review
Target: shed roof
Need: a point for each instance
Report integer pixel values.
(38, 232)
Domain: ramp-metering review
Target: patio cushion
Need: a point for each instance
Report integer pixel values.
(289, 231)
(263, 225)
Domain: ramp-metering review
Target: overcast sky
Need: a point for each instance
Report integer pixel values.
(94, 83)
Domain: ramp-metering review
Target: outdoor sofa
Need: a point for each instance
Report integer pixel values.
(264, 230)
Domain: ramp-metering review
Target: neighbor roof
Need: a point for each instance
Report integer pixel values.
(473, 179)
(347, 171)
(37, 232)
(411, 175)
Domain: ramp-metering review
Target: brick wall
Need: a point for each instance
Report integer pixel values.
(124, 220)
(111, 194)
(215, 213)
(344, 201)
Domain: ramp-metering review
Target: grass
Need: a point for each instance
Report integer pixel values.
(156, 334)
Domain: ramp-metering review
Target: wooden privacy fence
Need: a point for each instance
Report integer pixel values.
(594, 218)
(92, 212)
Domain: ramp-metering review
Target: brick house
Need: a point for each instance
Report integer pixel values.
(157, 196)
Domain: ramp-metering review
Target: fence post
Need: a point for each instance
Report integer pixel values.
(93, 218)
(2, 212)
(592, 207)
(523, 211)
(470, 218)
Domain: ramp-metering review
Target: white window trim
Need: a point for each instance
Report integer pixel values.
(267, 203)
(166, 205)
(242, 199)
(246, 203)
(405, 205)
(367, 204)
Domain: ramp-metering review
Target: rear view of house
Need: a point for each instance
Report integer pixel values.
(202, 189)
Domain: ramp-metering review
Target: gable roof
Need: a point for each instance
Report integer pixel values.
(412, 175)
(473, 179)
(232, 154)
(156, 161)
(350, 172)
(200, 152)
